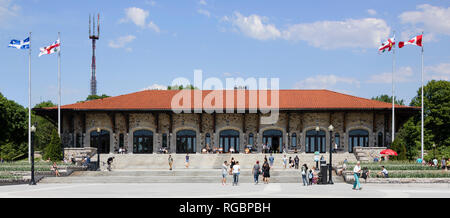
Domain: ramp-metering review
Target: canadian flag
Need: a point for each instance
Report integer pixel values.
(414, 41)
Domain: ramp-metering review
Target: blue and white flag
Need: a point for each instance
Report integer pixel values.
(24, 44)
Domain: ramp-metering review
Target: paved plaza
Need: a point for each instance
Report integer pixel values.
(212, 190)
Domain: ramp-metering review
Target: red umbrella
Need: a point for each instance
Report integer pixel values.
(389, 152)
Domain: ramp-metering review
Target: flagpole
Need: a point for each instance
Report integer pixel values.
(29, 101)
(59, 86)
(422, 129)
(393, 94)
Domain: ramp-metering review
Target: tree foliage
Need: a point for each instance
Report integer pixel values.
(94, 97)
(54, 150)
(44, 127)
(436, 122)
(388, 99)
(181, 87)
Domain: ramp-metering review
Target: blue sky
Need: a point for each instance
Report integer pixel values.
(307, 45)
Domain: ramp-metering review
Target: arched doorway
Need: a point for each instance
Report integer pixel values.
(358, 138)
(273, 139)
(186, 141)
(142, 142)
(100, 140)
(315, 141)
(229, 139)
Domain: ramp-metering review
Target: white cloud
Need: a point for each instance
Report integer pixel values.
(432, 19)
(155, 87)
(139, 17)
(254, 26)
(121, 42)
(8, 10)
(204, 12)
(372, 12)
(325, 82)
(350, 33)
(150, 2)
(438, 72)
(202, 2)
(402, 75)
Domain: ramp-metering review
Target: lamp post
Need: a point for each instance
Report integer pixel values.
(330, 129)
(316, 144)
(33, 130)
(98, 148)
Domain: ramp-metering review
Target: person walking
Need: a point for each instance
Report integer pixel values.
(304, 170)
(224, 172)
(357, 173)
(310, 176)
(266, 172)
(271, 160)
(296, 161)
(170, 159)
(236, 172)
(187, 160)
(256, 171)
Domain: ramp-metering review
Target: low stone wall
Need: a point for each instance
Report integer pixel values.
(78, 153)
(371, 152)
(349, 178)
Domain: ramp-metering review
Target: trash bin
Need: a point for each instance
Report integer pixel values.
(324, 173)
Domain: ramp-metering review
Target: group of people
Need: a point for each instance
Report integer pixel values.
(234, 169)
(293, 163)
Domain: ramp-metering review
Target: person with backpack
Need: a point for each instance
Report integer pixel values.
(304, 172)
(256, 171)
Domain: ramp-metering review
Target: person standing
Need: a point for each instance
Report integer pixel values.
(256, 171)
(266, 172)
(224, 172)
(236, 172)
(304, 170)
(170, 159)
(296, 161)
(271, 160)
(232, 163)
(311, 176)
(356, 173)
(443, 163)
(187, 160)
(284, 161)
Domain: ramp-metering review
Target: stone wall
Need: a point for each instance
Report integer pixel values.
(289, 123)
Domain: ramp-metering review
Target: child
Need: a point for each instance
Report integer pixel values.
(310, 177)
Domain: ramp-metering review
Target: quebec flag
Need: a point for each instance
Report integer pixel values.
(25, 44)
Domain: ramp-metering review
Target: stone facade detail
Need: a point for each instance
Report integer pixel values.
(168, 123)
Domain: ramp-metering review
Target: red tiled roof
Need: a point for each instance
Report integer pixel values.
(288, 100)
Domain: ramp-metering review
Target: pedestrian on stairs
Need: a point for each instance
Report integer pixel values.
(170, 159)
(187, 160)
(224, 172)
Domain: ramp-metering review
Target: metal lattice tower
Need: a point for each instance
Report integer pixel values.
(94, 37)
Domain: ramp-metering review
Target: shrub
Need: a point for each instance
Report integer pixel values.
(53, 151)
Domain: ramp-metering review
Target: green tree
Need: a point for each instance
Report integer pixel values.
(181, 87)
(44, 127)
(436, 111)
(54, 150)
(94, 97)
(388, 99)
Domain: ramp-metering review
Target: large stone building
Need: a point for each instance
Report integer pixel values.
(144, 122)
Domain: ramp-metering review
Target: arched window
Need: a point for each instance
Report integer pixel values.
(100, 141)
(358, 138)
(164, 140)
(250, 139)
(208, 140)
(380, 140)
(315, 141)
(229, 139)
(186, 141)
(294, 140)
(337, 140)
(142, 142)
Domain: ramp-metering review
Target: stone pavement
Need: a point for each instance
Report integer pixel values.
(211, 190)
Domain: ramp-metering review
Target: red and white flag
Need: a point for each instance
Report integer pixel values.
(414, 41)
(50, 49)
(387, 45)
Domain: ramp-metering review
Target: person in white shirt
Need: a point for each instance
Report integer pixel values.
(356, 174)
(383, 173)
(236, 171)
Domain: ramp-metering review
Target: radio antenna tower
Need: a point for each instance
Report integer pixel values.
(94, 37)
